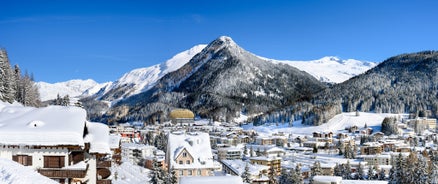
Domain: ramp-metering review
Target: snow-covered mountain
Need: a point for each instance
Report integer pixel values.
(142, 79)
(73, 88)
(221, 81)
(327, 69)
(330, 69)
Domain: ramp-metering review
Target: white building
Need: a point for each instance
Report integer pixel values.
(56, 141)
(190, 154)
(135, 153)
(229, 153)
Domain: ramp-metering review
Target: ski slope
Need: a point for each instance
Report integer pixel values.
(339, 122)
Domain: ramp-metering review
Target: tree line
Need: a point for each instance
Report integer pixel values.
(15, 86)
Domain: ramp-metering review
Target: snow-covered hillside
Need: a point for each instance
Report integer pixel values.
(331, 69)
(142, 79)
(337, 123)
(72, 88)
(13, 172)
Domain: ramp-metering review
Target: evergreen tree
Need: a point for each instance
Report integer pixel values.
(17, 78)
(7, 87)
(421, 171)
(272, 176)
(347, 171)
(156, 174)
(382, 175)
(409, 171)
(58, 100)
(370, 173)
(65, 100)
(360, 172)
(284, 177)
(173, 179)
(338, 170)
(315, 170)
(393, 172)
(297, 178)
(315, 149)
(246, 175)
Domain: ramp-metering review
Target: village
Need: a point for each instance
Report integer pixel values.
(192, 150)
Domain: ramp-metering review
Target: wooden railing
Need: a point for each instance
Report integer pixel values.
(103, 164)
(61, 173)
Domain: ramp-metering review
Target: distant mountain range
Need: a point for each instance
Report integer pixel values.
(327, 69)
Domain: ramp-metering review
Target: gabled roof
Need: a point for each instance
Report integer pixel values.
(48, 126)
(196, 144)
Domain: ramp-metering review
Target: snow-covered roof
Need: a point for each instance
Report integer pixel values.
(114, 141)
(98, 137)
(48, 126)
(238, 166)
(196, 144)
(327, 179)
(212, 180)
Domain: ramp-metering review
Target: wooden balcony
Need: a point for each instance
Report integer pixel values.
(103, 164)
(62, 173)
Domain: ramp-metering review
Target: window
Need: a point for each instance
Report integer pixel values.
(181, 172)
(54, 161)
(199, 172)
(188, 162)
(184, 154)
(25, 160)
(180, 162)
(190, 172)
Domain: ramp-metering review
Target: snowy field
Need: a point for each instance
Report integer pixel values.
(337, 123)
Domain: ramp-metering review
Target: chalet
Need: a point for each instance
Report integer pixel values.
(371, 148)
(268, 161)
(257, 173)
(189, 154)
(376, 159)
(57, 142)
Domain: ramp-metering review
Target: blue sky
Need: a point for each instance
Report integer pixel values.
(63, 40)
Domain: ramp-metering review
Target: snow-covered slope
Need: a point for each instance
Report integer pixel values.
(337, 123)
(72, 88)
(13, 172)
(331, 69)
(142, 79)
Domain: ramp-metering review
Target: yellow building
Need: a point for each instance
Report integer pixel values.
(268, 161)
(182, 117)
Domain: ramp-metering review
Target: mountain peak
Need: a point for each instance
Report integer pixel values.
(223, 41)
(226, 39)
(330, 58)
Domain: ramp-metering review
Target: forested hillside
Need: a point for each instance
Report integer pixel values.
(406, 83)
